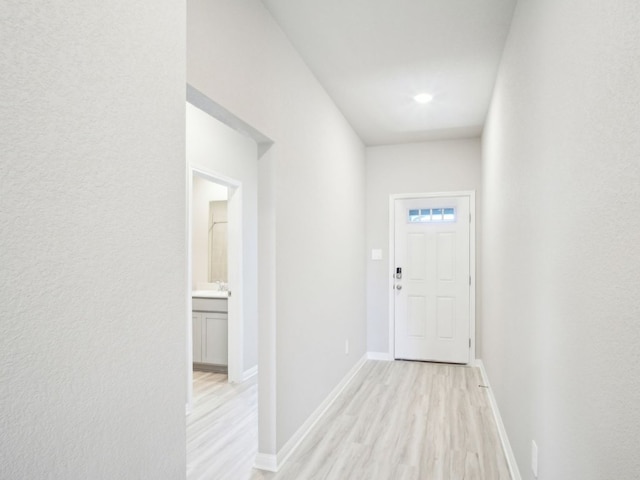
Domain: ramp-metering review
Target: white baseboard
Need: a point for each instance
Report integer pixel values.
(247, 374)
(272, 463)
(387, 357)
(266, 462)
(297, 438)
(504, 439)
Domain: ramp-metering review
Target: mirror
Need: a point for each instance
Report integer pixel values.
(218, 241)
(209, 235)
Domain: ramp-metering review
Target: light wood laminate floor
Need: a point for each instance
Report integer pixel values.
(395, 421)
(222, 429)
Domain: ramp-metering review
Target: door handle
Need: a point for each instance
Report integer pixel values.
(398, 287)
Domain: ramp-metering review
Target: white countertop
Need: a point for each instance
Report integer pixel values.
(209, 294)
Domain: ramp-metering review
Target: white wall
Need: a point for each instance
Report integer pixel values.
(312, 192)
(203, 192)
(216, 148)
(561, 178)
(440, 166)
(92, 243)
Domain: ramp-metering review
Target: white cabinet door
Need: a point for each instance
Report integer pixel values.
(432, 297)
(197, 337)
(214, 338)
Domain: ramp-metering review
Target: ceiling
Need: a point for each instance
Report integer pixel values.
(374, 56)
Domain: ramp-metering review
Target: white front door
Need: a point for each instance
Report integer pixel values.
(432, 279)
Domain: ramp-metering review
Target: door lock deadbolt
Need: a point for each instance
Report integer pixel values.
(398, 274)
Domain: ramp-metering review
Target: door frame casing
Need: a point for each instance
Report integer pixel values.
(471, 194)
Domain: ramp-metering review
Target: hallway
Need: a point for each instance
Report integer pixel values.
(395, 420)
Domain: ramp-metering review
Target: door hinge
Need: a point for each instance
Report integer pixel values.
(469, 279)
(469, 343)
(469, 218)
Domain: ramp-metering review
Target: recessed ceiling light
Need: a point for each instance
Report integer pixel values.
(423, 98)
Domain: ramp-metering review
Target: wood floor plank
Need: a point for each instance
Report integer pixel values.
(394, 421)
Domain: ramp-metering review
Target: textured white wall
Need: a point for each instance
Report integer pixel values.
(214, 147)
(92, 243)
(561, 183)
(313, 182)
(440, 166)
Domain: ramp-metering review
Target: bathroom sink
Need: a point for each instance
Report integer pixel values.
(209, 294)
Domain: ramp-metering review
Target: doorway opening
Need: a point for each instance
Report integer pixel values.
(215, 275)
(226, 150)
(209, 275)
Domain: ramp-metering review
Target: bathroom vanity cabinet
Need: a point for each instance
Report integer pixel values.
(210, 335)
